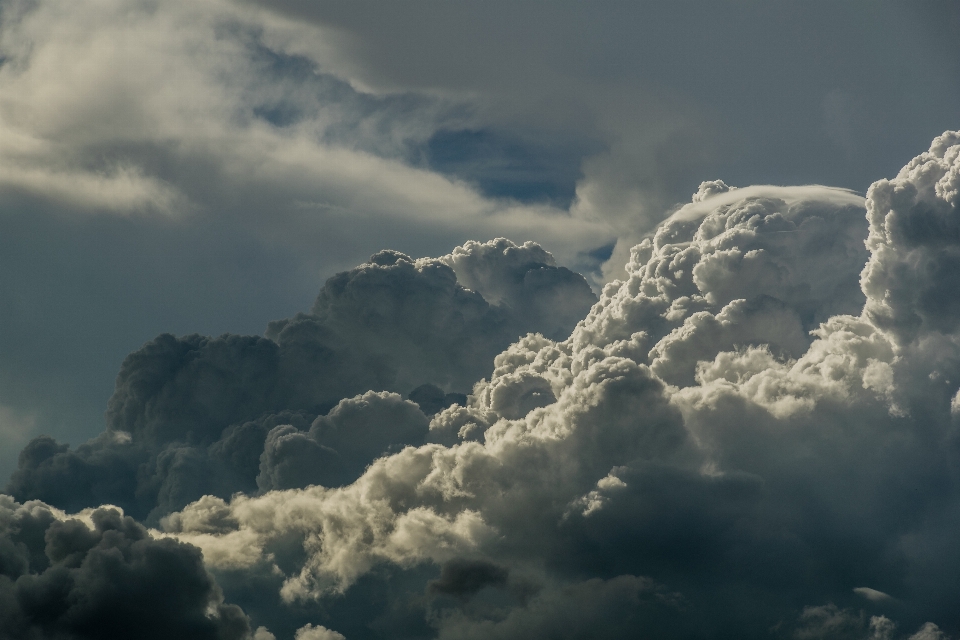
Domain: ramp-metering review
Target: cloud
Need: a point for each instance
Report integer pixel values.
(928, 631)
(101, 573)
(341, 444)
(614, 608)
(191, 161)
(463, 578)
(736, 437)
(191, 416)
(654, 98)
(250, 119)
(913, 244)
(525, 279)
(872, 594)
(746, 427)
(192, 167)
(688, 431)
(319, 632)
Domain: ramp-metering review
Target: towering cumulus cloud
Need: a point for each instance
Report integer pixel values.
(753, 435)
(190, 416)
(99, 575)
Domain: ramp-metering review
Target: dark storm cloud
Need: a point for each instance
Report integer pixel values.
(104, 576)
(190, 416)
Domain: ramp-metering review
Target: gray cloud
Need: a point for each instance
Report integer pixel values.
(140, 205)
(615, 608)
(461, 577)
(102, 574)
(190, 416)
(913, 240)
(665, 94)
(341, 444)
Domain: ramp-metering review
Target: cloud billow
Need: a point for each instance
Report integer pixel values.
(725, 437)
(190, 415)
(103, 575)
(753, 434)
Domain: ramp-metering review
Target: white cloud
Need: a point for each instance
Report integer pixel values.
(583, 434)
(319, 632)
(872, 594)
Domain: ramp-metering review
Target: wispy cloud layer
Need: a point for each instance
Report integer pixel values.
(182, 106)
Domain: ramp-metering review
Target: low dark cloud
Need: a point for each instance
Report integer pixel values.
(609, 609)
(105, 576)
(462, 577)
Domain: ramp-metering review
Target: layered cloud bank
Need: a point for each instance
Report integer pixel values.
(752, 435)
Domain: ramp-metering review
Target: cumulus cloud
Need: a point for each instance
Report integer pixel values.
(192, 415)
(319, 632)
(233, 140)
(341, 444)
(724, 416)
(741, 434)
(911, 275)
(101, 573)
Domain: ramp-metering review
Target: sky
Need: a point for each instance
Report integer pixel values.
(479, 319)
